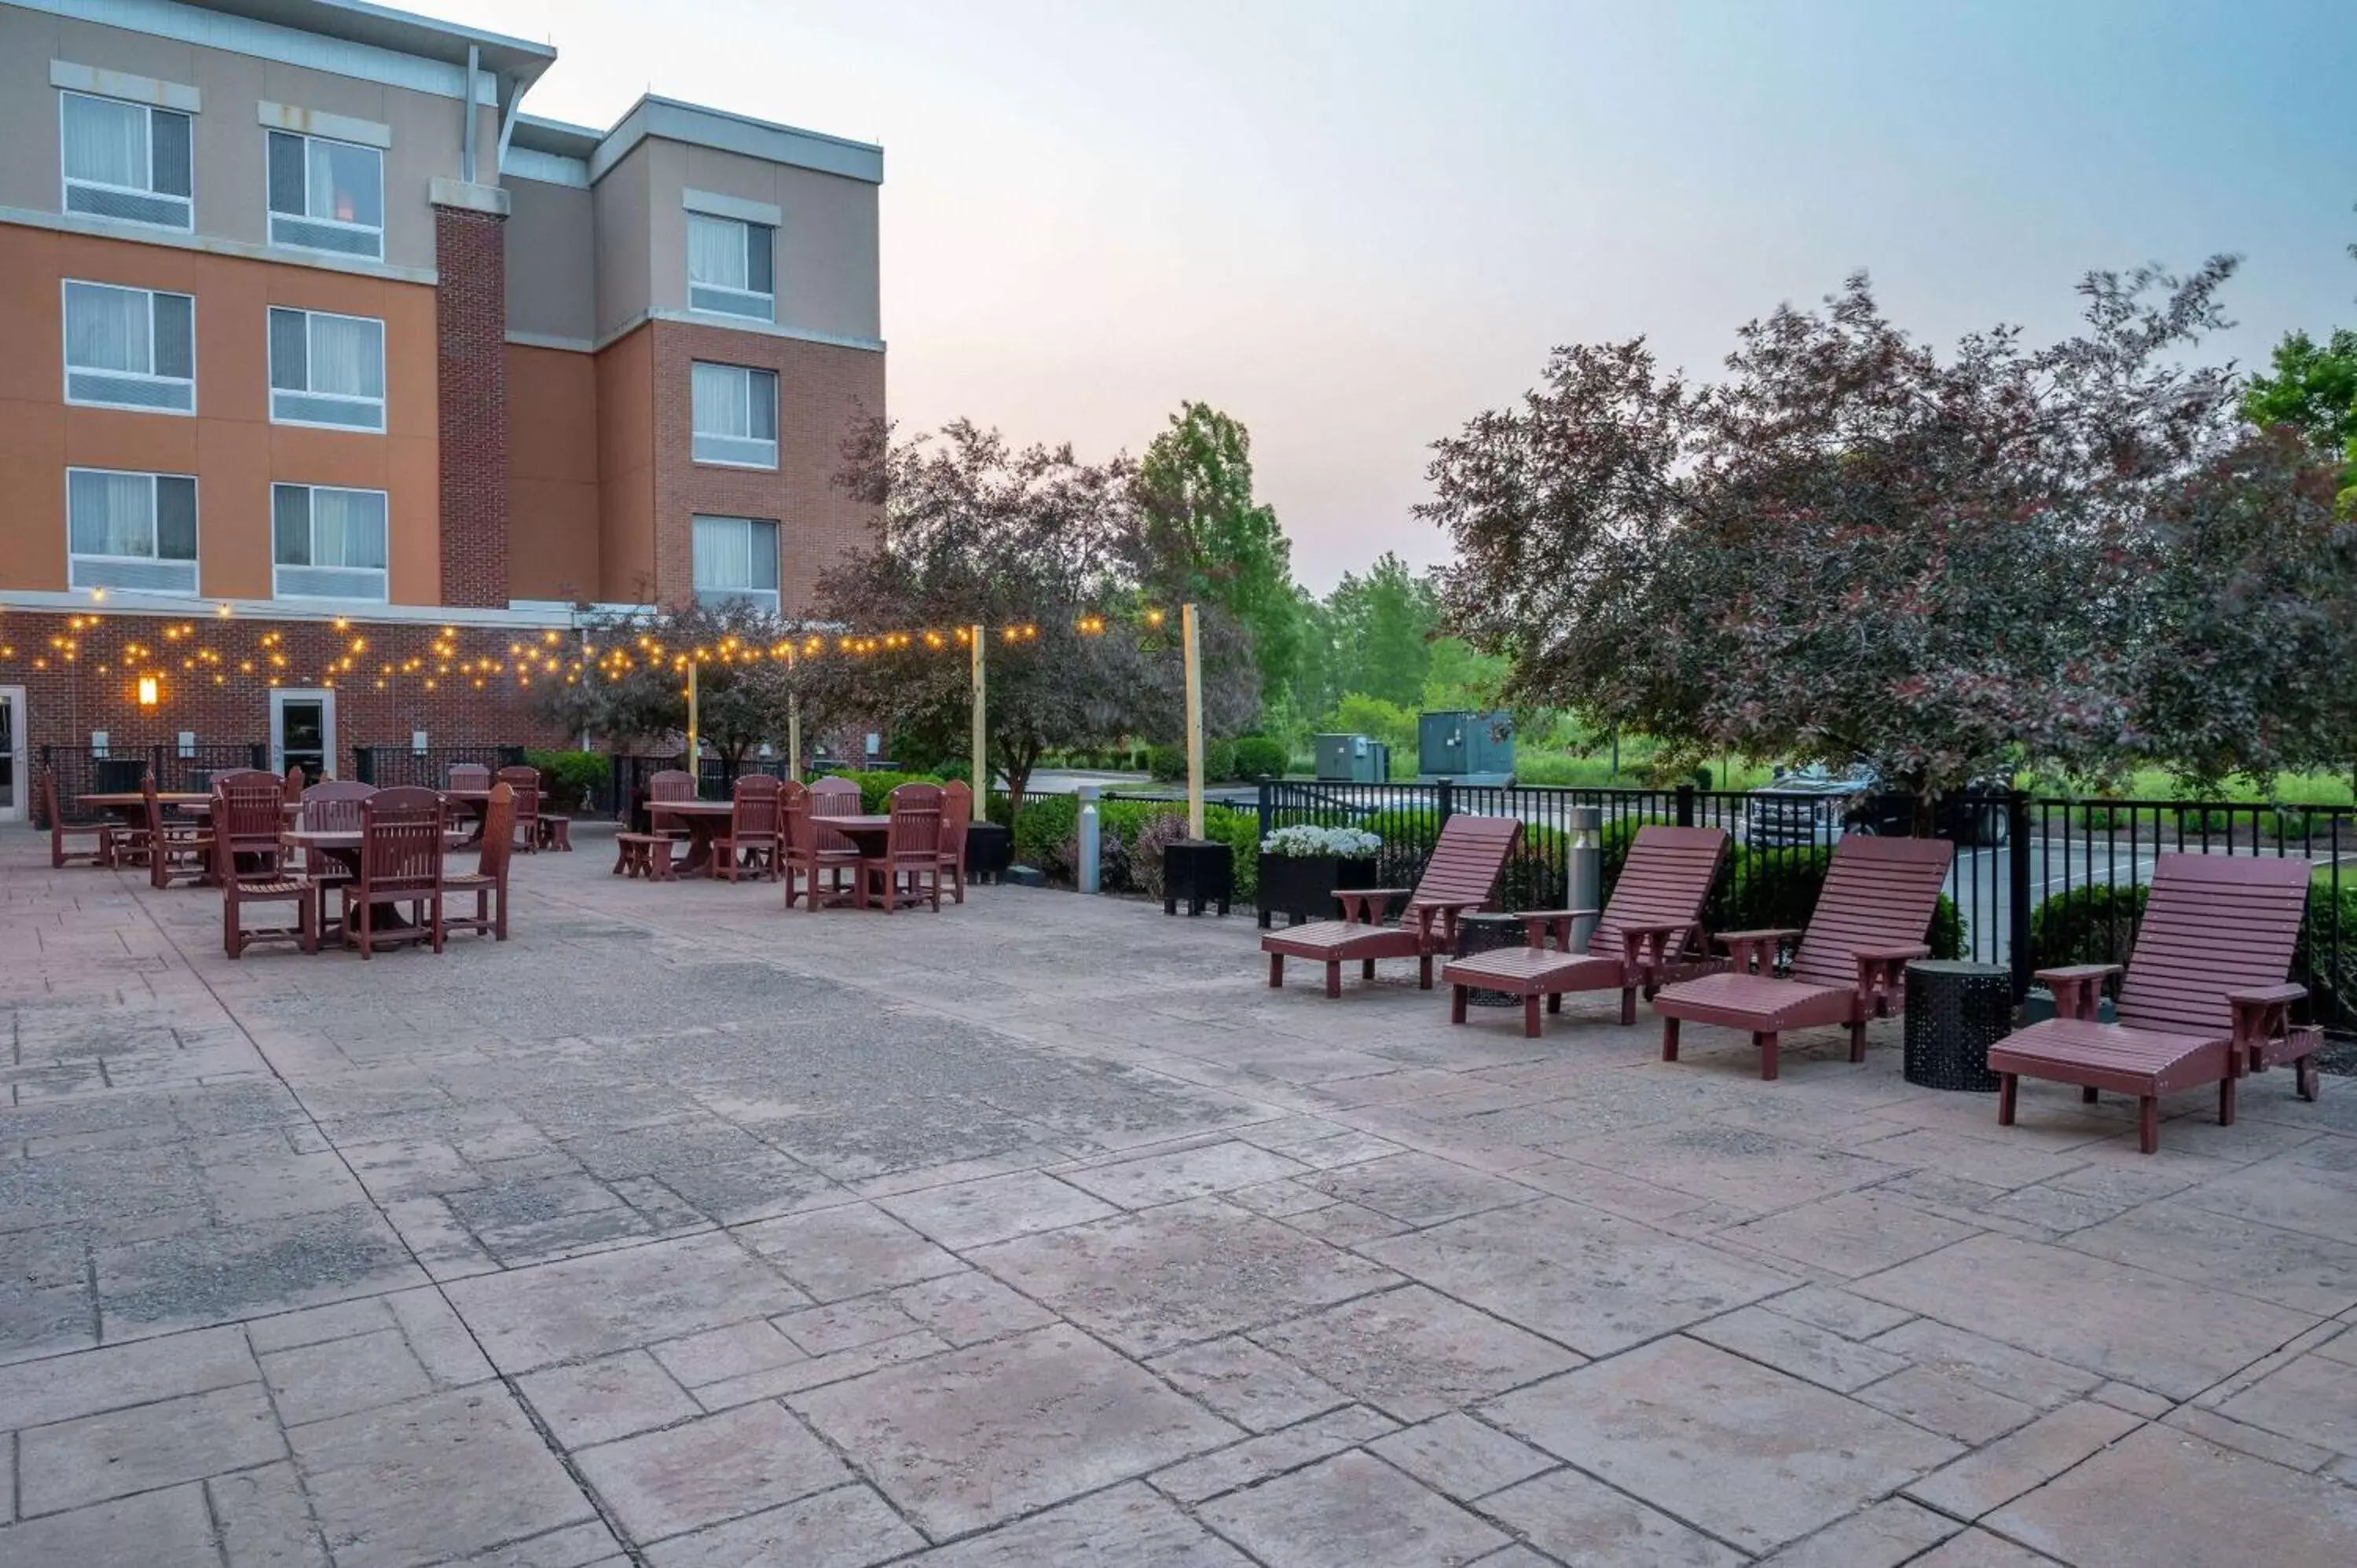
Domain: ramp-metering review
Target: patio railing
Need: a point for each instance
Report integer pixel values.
(82, 770)
(386, 766)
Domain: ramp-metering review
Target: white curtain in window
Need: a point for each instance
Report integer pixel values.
(716, 252)
(724, 553)
(346, 184)
(348, 529)
(347, 356)
(723, 399)
(106, 142)
(107, 328)
(113, 514)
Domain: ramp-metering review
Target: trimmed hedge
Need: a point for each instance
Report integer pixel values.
(1047, 837)
(568, 777)
(2097, 925)
(1257, 754)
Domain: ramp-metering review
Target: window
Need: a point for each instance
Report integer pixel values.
(326, 196)
(736, 561)
(129, 348)
(327, 370)
(729, 267)
(736, 415)
(327, 543)
(126, 161)
(134, 531)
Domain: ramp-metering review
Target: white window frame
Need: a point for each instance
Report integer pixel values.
(196, 563)
(777, 545)
(65, 351)
(270, 212)
(275, 566)
(66, 183)
(768, 311)
(776, 417)
(270, 373)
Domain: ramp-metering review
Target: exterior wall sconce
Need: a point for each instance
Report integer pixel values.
(148, 691)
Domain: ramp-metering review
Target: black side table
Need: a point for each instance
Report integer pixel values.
(1477, 933)
(989, 850)
(1955, 1011)
(1200, 871)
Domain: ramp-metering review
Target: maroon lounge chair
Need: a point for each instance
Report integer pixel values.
(1870, 919)
(1461, 875)
(1652, 920)
(2204, 1000)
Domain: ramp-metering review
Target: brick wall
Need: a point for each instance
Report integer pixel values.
(207, 687)
(471, 379)
(822, 391)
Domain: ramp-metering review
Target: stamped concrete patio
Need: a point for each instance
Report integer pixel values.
(679, 1231)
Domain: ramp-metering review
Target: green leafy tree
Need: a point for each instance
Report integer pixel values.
(1220, 544)
(633, 687)
(2313, 388)
(1378, 628)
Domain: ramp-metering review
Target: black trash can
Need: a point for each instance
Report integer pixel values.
(1955, 1011)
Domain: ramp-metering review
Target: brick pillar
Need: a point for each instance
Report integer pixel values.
(470, 365)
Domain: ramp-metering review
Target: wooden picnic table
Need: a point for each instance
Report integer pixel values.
(342, 846)
(703, 820)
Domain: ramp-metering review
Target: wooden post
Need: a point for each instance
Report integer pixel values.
(1194, 722)
(981, 779)
(793, 722)
(694, 755)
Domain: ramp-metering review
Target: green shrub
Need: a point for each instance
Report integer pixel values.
(2333, 986)
(1167, 764)
(567, 777)
(2095, 924)
(875, 789)
(1764, 889)
(1536, 872)
(1257, 754)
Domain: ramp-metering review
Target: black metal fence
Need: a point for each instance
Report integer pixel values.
(386, 766)
(2034, 883)
(81, 770)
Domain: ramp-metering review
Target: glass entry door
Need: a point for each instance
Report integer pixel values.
(302, 732)
(16, 777)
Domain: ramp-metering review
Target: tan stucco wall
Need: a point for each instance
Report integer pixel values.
(626, 469)
(826, 256)
(551, 255)
(620, 206)
(229, 445)
(553, 512)
(428, 131)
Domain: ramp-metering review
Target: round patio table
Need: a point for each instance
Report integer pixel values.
(703, 820)
(1955, 1011)
(1477, 933)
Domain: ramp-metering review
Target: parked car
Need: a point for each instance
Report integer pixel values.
(1814, 805)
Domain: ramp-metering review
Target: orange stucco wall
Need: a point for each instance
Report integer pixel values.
(626, 469)
(229, 445)
(553, 502)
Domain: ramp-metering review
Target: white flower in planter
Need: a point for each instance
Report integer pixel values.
(1303, 841)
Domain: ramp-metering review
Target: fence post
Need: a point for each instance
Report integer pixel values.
(1267, 804)
(512, 756)
(257, 756)
(2016, 865)
(1685, 805)
(1446, 807)
(1089, 850)
(364, 763)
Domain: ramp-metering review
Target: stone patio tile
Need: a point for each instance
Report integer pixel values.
(224, 1272)
(265, 1520)
(1578, 1520)
(314, 1325)
(1952, 1406)
(975, 1437)
(1731, 1164)
(1801, 1348)
(1413, 1353)
(2308, 1273)
(2195, 1504)
(713, 1468)
(1182, 1272)
(843, 1324)
(531, 1317)
(1754, 1457)
(967, 1308)
(2001, 1368)
(1890, 1532)
(846, 1252)
(37, 1393)
(95, 1457)
(816, 1370)
(1249, 1386)
(1345, 1148)
(2257, 1441)
(1585, 1279)
(1127, 1527)
(1996, 1156)
(1278, 1198)
(1979, 1549)
(997, 1208)
(1190, 1173)
(405, 1486)
(313, 1382)
(2312, 1400)
(2133, 1400)
(1456, 1455)
(2158, 1333)
(1271, 1454)
(590, 1545)
(599, 1401)
(849, 1526)
(732, 1352)
(1418, 1189)
(1995, 1475)
(1852, 1234)
(1346, 1224)
(2287, 1194)
(1347, 1512)
(161, 1529)
(1829, 1307)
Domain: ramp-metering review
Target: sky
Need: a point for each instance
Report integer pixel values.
(1356, 225)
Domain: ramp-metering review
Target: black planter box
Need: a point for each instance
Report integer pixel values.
(1200, 871)
(1301, 886)
(989, 851)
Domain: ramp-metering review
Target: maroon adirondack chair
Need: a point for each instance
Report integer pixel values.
(2204, 1000)
(1653, 921)
(1461, 875)
(1870, 919)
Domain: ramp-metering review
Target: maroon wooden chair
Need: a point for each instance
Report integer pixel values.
(2203, 1000)
(803, 857)
(909, 869)
(1463, 873)
(295, 783)
(248, 809)
(176, 850)
(402, 835)
(957, 814)
(1652, 923)
(750, 840)
(469, 775)
(525, 826)
(101, 833)
(332, 805)
(1870, 919)
(489, 881)
(671, 784)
